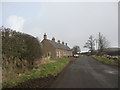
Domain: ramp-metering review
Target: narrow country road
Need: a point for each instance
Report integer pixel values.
(86, 72)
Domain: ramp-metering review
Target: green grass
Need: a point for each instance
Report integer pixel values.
(41, 71)
(106, 60)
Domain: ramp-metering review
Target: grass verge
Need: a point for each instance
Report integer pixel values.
(106, 60)
(42, 70)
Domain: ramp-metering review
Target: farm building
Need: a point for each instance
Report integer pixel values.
(55, 49)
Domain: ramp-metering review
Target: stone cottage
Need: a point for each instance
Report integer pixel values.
(55, 49)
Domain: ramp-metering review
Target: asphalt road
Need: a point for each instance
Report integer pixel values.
(86, 72)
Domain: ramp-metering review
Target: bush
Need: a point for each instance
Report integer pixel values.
(20, 45)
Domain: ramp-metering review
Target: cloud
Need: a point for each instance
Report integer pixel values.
(15, 22)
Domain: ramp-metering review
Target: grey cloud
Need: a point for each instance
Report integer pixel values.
(75, 22)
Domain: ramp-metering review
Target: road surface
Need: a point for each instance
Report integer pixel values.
(86, 72)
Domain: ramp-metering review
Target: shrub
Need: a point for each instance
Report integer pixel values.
(20, 45)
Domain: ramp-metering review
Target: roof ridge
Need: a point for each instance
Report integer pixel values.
(58, 45)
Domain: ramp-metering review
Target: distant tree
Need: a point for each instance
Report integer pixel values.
(76, 49)
(102, 42)
(90, 44)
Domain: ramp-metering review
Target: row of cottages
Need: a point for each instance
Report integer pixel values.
(55, 49)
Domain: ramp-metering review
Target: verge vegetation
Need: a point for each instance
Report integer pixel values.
(20, 51)
(106, 60)
(20, 45)
(41, 70)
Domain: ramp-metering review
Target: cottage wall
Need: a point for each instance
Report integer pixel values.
(48, 49)
(59, 53)
(51, 48)
(63, 53)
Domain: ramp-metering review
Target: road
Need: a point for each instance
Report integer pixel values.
(86, 72)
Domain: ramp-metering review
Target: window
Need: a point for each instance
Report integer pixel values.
(57, 53)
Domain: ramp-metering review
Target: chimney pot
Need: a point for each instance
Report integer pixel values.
(53, 39)
(59, 41)
(66, 44)
(45, 36)
(63, 43)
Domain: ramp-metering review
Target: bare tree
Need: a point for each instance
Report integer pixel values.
(102, 42)
(90, 44)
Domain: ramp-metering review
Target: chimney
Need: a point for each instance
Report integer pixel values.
(66, 44)
(45, 36)
(63, 43)
(53, 39)
(59, 41)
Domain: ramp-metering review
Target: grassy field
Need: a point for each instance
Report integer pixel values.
(42, 70)
(106, 60)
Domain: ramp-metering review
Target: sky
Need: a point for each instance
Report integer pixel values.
(71, 22)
